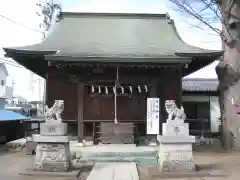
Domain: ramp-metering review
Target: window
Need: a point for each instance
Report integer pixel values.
(2, 82)
(198, 116)
(196, 110)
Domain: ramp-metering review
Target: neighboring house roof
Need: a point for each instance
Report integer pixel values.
(111, 37)
(2, 65)
(6, 115)
(35, 102)
(20, 99)
(199, 85)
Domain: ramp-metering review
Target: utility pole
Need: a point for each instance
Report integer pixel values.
(13, 87)
(39, 89)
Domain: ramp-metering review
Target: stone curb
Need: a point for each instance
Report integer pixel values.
(169, 175)
(31, 172)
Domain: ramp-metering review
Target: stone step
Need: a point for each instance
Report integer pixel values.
(114, 154)
(150, 160)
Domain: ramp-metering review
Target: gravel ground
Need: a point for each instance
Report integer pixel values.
(226, 163)
(11, 163)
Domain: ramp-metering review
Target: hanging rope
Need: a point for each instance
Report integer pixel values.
(115, 98)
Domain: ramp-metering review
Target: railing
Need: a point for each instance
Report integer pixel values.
(190, 120)
(203, 129)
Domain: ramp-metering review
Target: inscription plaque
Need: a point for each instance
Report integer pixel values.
(51, 129)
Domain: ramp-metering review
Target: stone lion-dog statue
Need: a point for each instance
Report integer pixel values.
(54, 113)
(174, 113)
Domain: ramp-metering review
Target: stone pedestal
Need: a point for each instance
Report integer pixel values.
(175, 151)
(52, 151)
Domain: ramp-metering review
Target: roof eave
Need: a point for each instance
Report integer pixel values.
(12, 51)
(200, 54)
(120, 58)
(29, 59)
(101, 14)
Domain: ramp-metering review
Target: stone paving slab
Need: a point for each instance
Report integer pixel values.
(114, 171)
(102, 171)
(122, 171)
(198, 178)
(201, 175)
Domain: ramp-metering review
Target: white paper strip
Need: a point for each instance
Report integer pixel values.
(139, 89)
(114, 90)
(99, 89)
(93, 89)
(122, 90)
(146, 88)
(106, 89)
(130, 89)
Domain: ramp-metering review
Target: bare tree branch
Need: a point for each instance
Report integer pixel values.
(49, 11)
(208, 13)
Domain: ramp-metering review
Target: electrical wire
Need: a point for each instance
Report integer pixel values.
(18, 23)
(11, 63)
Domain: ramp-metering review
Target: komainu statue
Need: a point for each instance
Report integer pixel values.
(54, 113)
(174, 113)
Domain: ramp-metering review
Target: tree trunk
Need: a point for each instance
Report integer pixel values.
(228, 71)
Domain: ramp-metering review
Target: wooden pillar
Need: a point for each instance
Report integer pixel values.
(45, 92)
(180, 84)
(153, 89)
(80, 87)
(169, 87)
(48, 84)
(160, 95)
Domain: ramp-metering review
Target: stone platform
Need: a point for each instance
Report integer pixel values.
(175, 148)
(117, 153)
(175, 154)
(52, 157)
(175, 144)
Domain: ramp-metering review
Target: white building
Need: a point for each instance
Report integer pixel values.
(6, 92)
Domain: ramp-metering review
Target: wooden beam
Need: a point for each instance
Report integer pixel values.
(80, 87)
(123, 79)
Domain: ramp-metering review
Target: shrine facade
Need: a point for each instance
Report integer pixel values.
(105, 66)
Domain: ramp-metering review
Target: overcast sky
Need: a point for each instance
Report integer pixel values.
(24, 12)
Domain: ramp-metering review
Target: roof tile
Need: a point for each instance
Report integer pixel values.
(199, 84)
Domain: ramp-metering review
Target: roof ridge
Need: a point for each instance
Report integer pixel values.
(200, 79)
(138, 15)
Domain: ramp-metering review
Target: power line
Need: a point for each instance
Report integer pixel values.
(11, 63)
(13, 21)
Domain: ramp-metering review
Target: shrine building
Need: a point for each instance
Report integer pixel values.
(105, 66)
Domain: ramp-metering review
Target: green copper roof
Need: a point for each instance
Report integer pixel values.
(113, 35)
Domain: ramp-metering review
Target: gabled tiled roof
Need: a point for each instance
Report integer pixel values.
(200, 85)
(111, 38)
(114, 35)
